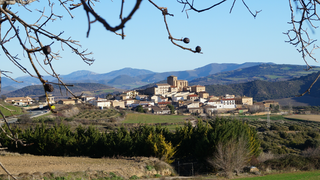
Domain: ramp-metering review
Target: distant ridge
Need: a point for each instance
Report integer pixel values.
(264, 90)
(265, 72)
(77, 88)
(214, 73)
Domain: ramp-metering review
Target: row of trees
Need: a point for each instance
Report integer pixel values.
(188, 142)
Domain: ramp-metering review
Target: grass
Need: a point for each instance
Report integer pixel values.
(310, 175)
(17, 110)
(272, 117)
(97, 114)
(150, 118)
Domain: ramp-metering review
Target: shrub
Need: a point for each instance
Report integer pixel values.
(312, 143)
(24, 118)
(134, 177)
(265, 156)
(289, 161)
(149, 168)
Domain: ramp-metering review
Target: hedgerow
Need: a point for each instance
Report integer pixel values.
(197, 142)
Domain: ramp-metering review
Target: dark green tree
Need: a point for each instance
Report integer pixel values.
(172, 109)
(140, 109)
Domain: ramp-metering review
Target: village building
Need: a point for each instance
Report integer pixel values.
(187, 89)
(158, 89)
(214, 98)
(43, 99)
(179, 84)
(203, 94)
(130, 94)
(163, 104)
(87, 98)
(66, 101)
(244, 100)
(210, 109)
(174, 89)
(162, 99)
(177, 98)
(128, 102)
(142, 97)
(198, 88)
(19, 101)
(193, 105)
(228, 96)
(101, 103)
(223, 103)
(270, 102)
(228, 103)
(192, 97)
(154, 99)
(118, 104)
(158, 110)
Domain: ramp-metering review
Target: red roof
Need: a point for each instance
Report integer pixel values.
(164, 102)
(193, 95)
(227, 99)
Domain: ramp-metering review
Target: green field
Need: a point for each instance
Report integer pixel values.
(310, 175)
(97, 114)
(17, 110)
(150, 118)
(272, 117)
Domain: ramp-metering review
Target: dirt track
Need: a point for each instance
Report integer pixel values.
(38, 165)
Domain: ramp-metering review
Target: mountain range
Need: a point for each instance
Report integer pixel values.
(128, 78)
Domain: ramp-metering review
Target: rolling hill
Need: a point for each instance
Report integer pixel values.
(137, 77)
(265, 72)
(89, 89)
(264, 90)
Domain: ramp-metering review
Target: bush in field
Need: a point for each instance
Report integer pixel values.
(312, 143)
(230, 156)
(295, 127)
(24, 118)
(288, 162)
(200, 141)
(278, 127)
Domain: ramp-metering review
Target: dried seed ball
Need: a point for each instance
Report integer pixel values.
(186, 40)
(48, 87)
(198, 49)
(46, 50)
(13, 19)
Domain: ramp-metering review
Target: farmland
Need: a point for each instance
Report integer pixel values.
(150, 118)
(303, 117)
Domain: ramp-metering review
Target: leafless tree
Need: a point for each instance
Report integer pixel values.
(30, 37)
(231, 156)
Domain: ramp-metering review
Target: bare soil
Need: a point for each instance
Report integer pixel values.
(305, 117)
(37, 167)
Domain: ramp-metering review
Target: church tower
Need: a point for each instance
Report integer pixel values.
(172, 80)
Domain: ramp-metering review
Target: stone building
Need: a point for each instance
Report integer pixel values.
(173, 81)
(198, 88)
(244, 100)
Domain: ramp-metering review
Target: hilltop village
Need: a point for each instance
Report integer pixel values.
(173, 97)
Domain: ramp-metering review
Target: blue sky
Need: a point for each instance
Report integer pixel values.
(223, 37)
